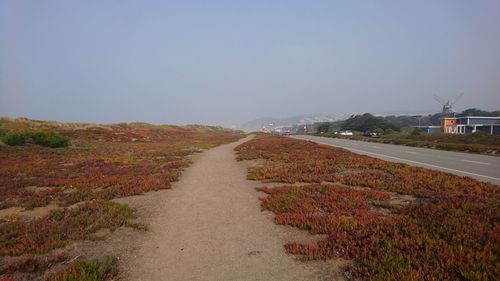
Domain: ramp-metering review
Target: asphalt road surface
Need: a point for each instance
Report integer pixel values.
(481, 167)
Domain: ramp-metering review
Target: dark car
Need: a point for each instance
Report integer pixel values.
(372, 134)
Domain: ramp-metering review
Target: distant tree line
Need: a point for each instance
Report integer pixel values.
(368, 122)
(388, 124)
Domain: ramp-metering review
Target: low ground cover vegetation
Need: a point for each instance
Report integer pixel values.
(60, 227)
(93, 270)
(76, 180)
(449, 230)
(475, 143)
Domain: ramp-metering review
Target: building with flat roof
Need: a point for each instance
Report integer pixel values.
(470, 124)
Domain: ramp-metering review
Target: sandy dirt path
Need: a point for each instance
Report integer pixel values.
(210, 227)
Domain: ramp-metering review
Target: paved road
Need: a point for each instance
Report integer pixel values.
(481, 167)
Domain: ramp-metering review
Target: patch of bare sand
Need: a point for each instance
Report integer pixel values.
(210, 227)
(21, 213)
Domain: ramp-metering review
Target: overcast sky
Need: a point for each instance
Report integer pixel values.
(227, 62)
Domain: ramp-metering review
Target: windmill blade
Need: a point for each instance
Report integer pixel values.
(457, 98)
(440, 100)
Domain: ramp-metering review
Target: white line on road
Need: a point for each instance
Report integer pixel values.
(415, 162)
(411, 152)
(476, 162)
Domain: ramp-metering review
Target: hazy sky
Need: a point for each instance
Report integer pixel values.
(226, 62)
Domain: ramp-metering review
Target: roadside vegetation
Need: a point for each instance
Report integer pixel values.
(56, 180)
(391, 221)
(400, 130)
(476, 143)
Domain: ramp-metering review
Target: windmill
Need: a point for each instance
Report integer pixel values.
(447, 104)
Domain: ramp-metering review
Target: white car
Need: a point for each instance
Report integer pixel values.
(345, 133)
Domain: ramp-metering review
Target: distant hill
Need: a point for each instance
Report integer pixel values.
(271, 123)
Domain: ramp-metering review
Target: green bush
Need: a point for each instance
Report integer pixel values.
(49, 139)
(2, 127)
(15, 138)
(323, 128)
(416, 132)
(389, 131)
(43, 138)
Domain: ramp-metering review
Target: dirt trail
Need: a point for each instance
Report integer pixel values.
(210, 227)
